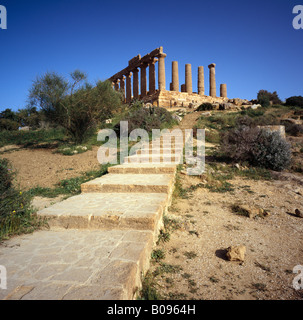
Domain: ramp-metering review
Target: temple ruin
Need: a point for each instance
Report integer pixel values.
(127, 81)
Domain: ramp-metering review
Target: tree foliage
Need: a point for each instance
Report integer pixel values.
(265, 98)
(295, 101)
(74, 104)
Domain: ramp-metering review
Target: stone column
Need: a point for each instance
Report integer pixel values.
(136, 83)
(128, 87)
(212, 80)
(161, 71)
(183, 89)
(223, 91)
(201, 88)
(117, 85)
(175, 76)
(188, 79)
(152, 76)
(122, 87)
(143, 80)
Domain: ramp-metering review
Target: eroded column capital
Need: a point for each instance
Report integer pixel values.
(212, 65)
(162, 55)
(153, 61)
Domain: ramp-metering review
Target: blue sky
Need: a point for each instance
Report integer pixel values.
(253, 43)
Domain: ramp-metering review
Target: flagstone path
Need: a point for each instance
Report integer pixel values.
(99, 243)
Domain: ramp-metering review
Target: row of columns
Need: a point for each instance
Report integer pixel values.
(188, 87)
(119, 84)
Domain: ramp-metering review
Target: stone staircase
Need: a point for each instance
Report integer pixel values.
(113, 224)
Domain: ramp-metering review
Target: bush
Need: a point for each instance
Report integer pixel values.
(259, 147)
(295, 101)
(205, 107)
(8, 124)
(271, 151)
(6, 176)
(147, 119)
(75, 105)
(265, 98)
(293, 129)
(15, 213)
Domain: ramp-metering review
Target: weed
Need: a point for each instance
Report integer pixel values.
(190, 254)
(158, 255)
(262, 267)
(235, 208)
(177, 296)
(167, 268)
(169, 281)
(259, 286)
(171, 224)
(149, 291)
(179, 191)
(163, 236)
(194, 232)
(214, 279)
(230, 227)
(223, 188)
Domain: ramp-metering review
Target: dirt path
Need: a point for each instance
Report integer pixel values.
(42, 167)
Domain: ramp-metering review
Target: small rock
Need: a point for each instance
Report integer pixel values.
(299, 191)
(299, 213)
(248, 211)
(236, 253)
(256, 106)
(264, 213)
(238, 166)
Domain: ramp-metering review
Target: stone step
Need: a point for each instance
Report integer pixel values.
(144, 168)
(145, 183)
(108, 211)
(160, 151)
(157, 158)
(170, 145)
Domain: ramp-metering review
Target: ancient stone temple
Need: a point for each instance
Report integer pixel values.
(128, 79)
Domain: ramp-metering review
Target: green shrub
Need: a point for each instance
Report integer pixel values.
(212, 136)
(15, 214)
(8, 124)
(265, 98)
(271, 151)
(205, 107)
(295, 101)
(6, 176)
(75, 105)
(259, 147)
(147, 119)
(293, 129)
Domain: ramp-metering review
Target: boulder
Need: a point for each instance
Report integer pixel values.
(299, 213)
(236, 253)
(256, 106)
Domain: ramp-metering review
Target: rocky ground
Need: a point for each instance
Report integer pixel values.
(207, 226)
